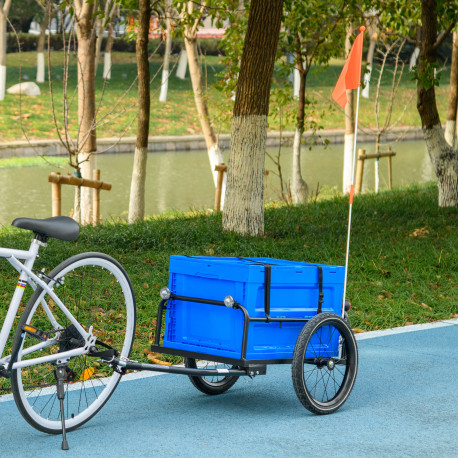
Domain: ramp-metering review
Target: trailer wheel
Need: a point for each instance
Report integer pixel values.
(325, 363)
(214, 384)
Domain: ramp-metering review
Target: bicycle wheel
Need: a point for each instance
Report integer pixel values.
(215, 384)
(98, 292)
(325, 363)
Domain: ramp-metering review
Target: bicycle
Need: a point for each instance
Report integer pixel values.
(80, 317)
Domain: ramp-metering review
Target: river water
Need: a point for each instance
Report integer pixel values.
(182, 180)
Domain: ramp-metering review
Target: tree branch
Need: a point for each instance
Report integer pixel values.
(442, 36)
(6, 7)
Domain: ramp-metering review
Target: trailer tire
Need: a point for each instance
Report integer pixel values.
(210, 385)
(325, 363)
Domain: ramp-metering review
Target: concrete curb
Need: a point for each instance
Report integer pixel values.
(194, 142)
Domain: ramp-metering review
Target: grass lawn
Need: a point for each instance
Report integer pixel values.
(403, 260)
(117, 105)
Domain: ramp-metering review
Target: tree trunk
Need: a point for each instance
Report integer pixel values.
(214, 153)
(182, 65)
(443, 156)
(167, 53)
(100, 31)
(299, 188)
(370, 61)
(450, 126)
(349, 127)
(244, 209)
(137, 189)
(41, 48)
(416, 51)
(109, 45)
(87, 145)
(4, 10)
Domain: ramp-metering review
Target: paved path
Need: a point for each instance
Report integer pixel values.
(404, 403)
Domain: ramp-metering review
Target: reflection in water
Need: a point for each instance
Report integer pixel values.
(182, 180)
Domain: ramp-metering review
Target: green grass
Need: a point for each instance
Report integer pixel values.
(34, 161)
(403, 261)
(117, 111)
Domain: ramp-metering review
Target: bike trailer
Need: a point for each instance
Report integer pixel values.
(271, 301)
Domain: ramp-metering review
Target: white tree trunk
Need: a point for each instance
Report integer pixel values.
(164, 85)
(167, 53)
(107, 66)
(215, 156)
(137, 187)
(2, 54)
(450, 132)
(414, 58)
(248, 135)
(445, 161)
(77, 205)
(348, 162)
(2, 81)
(40, 67)
(211, 141)
(299, 188)
(100, 25)
(370, 60)
(182, 65)
(88, 163)
(377, 174)
(297, 83)
(367, 82)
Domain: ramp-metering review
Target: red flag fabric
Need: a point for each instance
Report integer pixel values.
(350, 78)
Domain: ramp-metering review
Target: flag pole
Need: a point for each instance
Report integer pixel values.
(350, 208)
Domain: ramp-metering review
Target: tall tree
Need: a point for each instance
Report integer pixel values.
(107, 63)
(311, 32)
(167, 51)
(191, 20)
(244, 208)
(437, 18)
(87, 145)
(4, 10)
(137, 189)
(47, 8)
(444, 157)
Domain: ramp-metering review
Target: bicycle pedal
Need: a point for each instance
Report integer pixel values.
(35, 332)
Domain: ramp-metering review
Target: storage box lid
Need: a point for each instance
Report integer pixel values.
(252, 269)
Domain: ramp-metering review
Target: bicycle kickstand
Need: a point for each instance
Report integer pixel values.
(61, 374)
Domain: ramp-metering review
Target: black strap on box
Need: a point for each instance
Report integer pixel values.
(267, 283)
(320, 289)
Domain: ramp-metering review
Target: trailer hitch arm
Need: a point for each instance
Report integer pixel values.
(137, 366)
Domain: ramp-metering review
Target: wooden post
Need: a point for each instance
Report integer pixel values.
(390, 171)
(57, 180)
(359, 171)
(96, 198)
(221, 169)
(56, 199)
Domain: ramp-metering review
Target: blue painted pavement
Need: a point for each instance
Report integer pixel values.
(404, 403)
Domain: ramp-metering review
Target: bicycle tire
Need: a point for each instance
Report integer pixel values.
(216, 384)
(325, 363)
(98, 292)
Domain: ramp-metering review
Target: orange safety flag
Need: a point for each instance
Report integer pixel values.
(350, 78)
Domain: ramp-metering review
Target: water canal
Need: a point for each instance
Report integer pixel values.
(182, 181)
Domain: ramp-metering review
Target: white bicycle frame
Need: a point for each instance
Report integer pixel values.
(28, 277)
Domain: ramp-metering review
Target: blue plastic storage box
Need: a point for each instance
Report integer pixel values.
(217, 330)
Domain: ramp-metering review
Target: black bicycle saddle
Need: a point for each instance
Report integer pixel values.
(58, 227)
